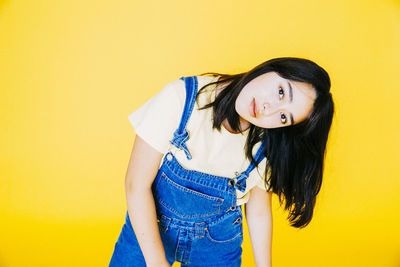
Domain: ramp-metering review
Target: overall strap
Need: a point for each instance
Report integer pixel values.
(181, 135)
(241, 178)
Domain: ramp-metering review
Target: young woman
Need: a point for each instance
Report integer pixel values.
(208, 144)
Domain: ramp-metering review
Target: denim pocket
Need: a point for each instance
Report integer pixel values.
(226, 230)
(183, 201)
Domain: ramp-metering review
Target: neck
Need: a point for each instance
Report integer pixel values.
(244, 125)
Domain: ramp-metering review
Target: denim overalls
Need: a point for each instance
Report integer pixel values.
(199, 222)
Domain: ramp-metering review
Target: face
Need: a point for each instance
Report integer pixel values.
(270, 101)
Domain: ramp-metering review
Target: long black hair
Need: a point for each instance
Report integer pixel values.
(295, 154)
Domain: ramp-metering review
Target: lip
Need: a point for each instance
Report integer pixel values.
(253, 108)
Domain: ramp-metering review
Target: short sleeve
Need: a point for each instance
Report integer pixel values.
(261, 184)
(157, 119)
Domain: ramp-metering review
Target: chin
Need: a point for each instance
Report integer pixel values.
(262, 126)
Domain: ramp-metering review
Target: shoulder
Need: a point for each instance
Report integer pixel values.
(173, 91)
(156, 119)
(204, 80)
(177, 88)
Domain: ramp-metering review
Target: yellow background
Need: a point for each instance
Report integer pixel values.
(72, 71)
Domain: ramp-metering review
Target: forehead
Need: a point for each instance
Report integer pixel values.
(304, 96)
(302, 89)
(299, 89)
(275, 77)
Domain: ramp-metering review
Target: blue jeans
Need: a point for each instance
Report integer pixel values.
(199, 222)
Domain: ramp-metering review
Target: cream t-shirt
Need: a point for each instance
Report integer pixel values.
(215, 152)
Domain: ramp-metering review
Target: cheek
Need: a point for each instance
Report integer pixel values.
(237, 108)
(266, 122)
(240, 104)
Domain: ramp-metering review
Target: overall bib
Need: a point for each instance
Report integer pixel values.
(199, 222)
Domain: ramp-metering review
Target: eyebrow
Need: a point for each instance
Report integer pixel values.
(290, 92)
(291, 100)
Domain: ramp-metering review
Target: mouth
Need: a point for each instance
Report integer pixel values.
(253, 108)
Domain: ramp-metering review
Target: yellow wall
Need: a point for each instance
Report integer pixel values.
(71, 72)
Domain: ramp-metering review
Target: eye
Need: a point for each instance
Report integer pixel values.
(281, 93)
(283, 118)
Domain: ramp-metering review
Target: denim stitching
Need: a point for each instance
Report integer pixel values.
(218, 208)
(164, 222)
(211, 224)
(183, 216)
(194, 172)
(176, 223)
(191, 191)
(197, 172)
(183, 178)
(193, 99)
(225, 241)
(177, 245)
(181, 134)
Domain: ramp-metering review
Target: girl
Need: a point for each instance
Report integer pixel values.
(208, 144)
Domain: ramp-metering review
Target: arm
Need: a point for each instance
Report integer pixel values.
(259, 222)
(143, 167)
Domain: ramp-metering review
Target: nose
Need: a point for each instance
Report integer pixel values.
(267, 108)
